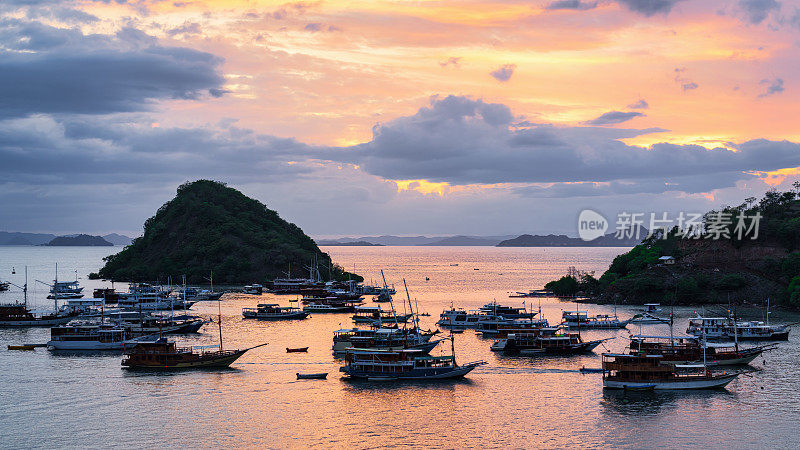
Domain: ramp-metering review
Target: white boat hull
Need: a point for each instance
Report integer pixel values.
(714, 383)
(35, 323)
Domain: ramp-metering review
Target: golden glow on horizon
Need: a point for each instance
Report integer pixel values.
(777, 177)
(423, 186)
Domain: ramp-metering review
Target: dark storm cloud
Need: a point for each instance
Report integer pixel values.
(503, 73)
(614, 117)
(572, 4)
(107, 150)
(464, 141)
(757, 10)
(55, 71)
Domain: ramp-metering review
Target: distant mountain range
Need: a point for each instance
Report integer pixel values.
(488, 241)
(15, 238)
(349, 244)
(525, 240)
(560, 240)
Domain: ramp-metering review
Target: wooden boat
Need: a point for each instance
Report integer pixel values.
(391, 365)
(22, 347)
(646, 372)
(165, 355)
(272, 311)
(326, 308)
(374, 314)
(297, 350)
(582, 320)
(383, 338)
(728, 329)
(18, 316)
(93, 336)
(528, 344)
(312, 376)
(109, 294)
(502, 327)
(689, 349)
(253, 289)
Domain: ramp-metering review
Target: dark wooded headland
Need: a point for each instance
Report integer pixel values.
(706, 270)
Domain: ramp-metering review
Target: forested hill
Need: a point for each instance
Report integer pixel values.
(79, 240)
(722, 263)
(209, 226)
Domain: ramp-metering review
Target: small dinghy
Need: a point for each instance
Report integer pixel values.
(312, 376)
(297, 350)
(590, 370)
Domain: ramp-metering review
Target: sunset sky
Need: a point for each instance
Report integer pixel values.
(395, 117)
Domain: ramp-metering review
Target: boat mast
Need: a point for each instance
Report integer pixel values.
(55, 290)
(25, 289)
(184, 297)
(767, 311)
(391, 303)
(705, 365)
(415, 317)
(453, 347)
(219, 321)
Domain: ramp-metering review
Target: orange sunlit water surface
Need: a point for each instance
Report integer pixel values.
(510, 402)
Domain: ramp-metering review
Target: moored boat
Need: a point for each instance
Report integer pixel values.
(88, 336)
(582, 319)
(324, 308)
(634, 372)
(689, 349)
(531, 344)
(273, 311)
(726, 328)
(18, 316)
(312, 376)
(374, 314)
(253, 289)
(384, 338)
(410, 364)
(165, 355)
(501, 326)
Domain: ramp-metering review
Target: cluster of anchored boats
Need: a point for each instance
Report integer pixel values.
(390, 346)
(110, 320)
(386, 345)
(649, 362)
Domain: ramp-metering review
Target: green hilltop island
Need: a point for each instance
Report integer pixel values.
(210, 226)
(723, 259)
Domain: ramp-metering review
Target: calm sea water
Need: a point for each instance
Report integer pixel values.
(49, 400)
